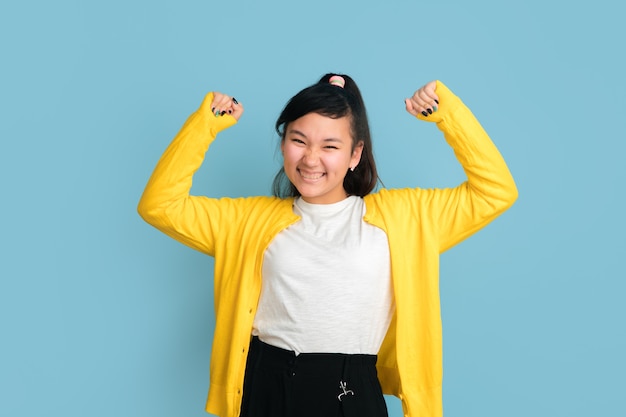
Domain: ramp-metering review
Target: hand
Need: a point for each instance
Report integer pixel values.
(425, 101)
(223, 104)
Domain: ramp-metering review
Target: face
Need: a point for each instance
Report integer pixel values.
(318, 153)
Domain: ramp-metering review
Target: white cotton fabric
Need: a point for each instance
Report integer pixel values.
(326, 282)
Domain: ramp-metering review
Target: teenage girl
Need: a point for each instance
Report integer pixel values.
(326, 294)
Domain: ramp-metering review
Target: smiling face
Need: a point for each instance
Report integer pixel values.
(318, 153)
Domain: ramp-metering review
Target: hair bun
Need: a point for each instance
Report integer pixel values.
(337, 80)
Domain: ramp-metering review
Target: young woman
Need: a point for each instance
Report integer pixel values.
(326, 295)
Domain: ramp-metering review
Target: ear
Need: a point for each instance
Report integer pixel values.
(356, 154)
(282, 146)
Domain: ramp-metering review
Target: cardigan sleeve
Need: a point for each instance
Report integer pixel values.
(166, 203)
(489, 189)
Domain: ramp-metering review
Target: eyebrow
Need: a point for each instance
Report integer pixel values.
(297, 132)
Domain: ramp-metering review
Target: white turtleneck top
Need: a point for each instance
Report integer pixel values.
(326, 282)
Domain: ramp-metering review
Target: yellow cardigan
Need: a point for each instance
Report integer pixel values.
(419, 223)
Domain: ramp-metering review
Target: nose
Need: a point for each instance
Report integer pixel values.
(310, 156)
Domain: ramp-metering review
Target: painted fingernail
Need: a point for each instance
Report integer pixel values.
(429, 111)
(425, 114)
(217, 113)
(436, 101)
(213, 109)
(235, 100)
(434, 108)
(223, 113)
(230, 111)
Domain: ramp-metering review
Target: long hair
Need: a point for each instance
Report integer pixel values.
(332, 101)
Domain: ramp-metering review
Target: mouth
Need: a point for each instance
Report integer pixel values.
(311, 176)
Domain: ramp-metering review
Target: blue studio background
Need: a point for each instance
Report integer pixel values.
(101, 315)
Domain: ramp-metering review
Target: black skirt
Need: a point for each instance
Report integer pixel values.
(279, 383)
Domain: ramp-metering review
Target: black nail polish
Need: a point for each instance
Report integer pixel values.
(429, 111)
(213, 109)
(437, 101)
(223, 113)
(235, 100)
(425, 114)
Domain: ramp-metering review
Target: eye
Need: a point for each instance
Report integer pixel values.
(330, 147)
(296, 140)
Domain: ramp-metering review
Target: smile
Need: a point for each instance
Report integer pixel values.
(311, 176)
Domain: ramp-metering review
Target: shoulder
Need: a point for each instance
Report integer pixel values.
(391, 196)
(391, 202)
(258, 204)
(252, 212)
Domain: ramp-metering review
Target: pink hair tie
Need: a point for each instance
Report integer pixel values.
(337, 80)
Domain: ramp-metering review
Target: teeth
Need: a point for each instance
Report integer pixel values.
(311, 177)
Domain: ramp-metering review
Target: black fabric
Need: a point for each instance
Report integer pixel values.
(279, 383)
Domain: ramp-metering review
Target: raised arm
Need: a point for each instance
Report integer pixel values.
(166, 203)
(489, 189)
